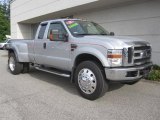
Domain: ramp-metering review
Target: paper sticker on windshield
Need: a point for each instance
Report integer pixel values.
(69, 22)
(73, 25)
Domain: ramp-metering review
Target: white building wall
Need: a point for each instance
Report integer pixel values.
(22, 10)
(140, 20)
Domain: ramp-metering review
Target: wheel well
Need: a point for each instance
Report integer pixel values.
(12, 51)
(85, 57)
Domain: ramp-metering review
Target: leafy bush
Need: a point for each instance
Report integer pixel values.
(154, 75)
(156, 67)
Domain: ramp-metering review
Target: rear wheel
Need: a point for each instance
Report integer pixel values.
(90, 80)
(14, 66)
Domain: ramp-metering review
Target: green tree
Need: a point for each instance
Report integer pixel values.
(4, 21)
(6, 8)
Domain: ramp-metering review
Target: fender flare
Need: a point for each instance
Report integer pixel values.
(12, 50)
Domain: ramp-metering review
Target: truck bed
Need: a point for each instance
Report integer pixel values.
(24, 49)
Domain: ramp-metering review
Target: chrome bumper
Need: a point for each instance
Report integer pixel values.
(129, 73)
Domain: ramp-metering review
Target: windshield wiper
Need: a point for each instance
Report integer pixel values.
(85, 34)
(91, 34)
(104, 34)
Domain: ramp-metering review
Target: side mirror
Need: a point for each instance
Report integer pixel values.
(111, 33)
(55, 35)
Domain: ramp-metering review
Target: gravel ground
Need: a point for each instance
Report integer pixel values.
(43, 96)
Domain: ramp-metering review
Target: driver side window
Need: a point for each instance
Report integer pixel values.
(57, 28)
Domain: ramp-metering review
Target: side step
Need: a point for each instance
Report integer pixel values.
(52, 71)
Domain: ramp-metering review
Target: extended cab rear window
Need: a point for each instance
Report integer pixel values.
(42, 31)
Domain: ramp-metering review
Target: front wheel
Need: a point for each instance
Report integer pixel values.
(90, 80)
(14, 66)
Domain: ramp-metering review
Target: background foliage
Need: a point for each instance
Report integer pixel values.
(154, 75)
(4, 19)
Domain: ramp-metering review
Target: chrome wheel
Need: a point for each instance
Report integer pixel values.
(12, 64)
(87, 81)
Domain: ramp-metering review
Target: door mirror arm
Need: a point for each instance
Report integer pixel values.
(66, 36)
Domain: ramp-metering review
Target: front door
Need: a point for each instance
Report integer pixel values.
(57, 52)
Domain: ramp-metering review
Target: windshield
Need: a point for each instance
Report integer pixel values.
(78, 27)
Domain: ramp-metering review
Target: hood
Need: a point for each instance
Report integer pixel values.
(112, 42)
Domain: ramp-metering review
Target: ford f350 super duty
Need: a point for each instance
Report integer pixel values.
(83, 51)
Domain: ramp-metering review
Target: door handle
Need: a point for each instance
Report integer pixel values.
(73, 47)
(44, 45)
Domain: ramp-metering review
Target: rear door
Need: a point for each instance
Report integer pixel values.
(40, 44)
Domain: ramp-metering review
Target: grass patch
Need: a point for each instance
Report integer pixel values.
(154, 75)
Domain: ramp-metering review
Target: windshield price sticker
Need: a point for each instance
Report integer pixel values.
(73, 25)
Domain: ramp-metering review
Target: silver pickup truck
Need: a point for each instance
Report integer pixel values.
(83, 51)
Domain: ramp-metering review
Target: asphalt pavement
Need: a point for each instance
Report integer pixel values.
(43, 96)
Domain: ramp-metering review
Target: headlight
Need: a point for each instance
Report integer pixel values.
(115, 58)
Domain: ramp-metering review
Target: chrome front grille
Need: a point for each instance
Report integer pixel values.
(130, 55)
(141, 55)
(138, 53)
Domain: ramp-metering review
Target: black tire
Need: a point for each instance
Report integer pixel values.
(101, 83)
(26, 68)
(17, 69)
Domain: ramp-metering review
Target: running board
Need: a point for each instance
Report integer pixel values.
(53, 72)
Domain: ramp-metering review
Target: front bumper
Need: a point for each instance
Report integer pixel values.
(129, 73)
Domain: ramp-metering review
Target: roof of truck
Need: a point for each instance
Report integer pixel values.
(59, 20)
